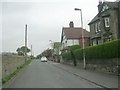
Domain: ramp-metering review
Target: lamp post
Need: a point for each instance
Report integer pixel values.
(50, 43)
(84, 62)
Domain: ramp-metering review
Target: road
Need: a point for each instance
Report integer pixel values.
(47, 75)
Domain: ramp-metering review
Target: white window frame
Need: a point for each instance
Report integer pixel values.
(97, 27)
(107, 22)
(94, 42)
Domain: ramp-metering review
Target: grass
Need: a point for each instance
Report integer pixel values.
(7, 78)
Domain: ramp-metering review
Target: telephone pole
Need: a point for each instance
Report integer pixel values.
(25, 43)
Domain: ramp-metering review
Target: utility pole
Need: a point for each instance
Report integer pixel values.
(25, 43)
(31, 50)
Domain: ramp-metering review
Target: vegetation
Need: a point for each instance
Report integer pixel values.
(70, 54)
(7, 78)
(47, 53)
(103, 51)
(21, 50)
(66, 56)
(106, 50)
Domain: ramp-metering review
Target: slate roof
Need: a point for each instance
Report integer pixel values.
(94, 19)
(112, 4)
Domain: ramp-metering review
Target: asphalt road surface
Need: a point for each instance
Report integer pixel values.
(45, 75)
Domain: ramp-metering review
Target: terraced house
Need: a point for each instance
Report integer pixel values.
(105, 26)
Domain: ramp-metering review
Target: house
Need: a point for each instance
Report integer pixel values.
(73, 36)
(105, 26)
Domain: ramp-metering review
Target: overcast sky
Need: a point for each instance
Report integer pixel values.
(45, 19)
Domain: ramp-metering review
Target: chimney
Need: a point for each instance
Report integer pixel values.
(100, 5)
(71, 24)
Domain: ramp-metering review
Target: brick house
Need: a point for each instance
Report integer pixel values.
(73, 36)
(105, 26)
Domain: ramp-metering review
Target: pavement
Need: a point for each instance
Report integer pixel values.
(101, 79)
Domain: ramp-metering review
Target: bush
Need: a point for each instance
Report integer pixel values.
(74, 47)
(106, 50)
(66, 56)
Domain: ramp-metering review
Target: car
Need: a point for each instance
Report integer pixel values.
(43, 59)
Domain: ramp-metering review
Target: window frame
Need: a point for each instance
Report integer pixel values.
(107, 21)
(97, 27)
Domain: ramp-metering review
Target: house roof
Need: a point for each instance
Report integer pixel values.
(74, 33)
(94, 19)
(110, 4)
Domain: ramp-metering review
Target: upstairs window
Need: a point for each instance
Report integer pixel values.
(97, 27)
(107, 22)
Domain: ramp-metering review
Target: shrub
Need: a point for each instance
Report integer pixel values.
(66, 56)
(74, 47)
(106, 50)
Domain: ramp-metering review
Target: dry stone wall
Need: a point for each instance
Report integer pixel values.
(10, 63)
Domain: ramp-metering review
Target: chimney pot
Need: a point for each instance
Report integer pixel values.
(71, 24)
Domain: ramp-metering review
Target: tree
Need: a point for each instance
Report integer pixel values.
(21, 51)
(72, 48)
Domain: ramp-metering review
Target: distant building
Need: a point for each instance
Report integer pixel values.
(105, 26)
(73, 36)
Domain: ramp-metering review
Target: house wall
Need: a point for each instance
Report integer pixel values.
(86, 42)
(102, 35)
(114, 23)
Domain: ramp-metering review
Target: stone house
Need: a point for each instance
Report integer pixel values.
(105, 26)
(73, 36)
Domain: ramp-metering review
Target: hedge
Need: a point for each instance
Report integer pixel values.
(66, 56)
(106, 50)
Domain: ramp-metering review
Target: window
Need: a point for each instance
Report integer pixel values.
(98, 41)
(107, 22)
(97, 27)
(94, 42)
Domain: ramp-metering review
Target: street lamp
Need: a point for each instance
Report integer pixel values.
(50, 43)
(84, 62)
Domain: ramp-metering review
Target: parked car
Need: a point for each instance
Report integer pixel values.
(43, 59)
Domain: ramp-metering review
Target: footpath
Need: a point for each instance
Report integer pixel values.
(103, 80)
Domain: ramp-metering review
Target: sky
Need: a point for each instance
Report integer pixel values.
(45, 20)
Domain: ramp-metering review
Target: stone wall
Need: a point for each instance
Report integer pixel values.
(106, 66)
(10, 63)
